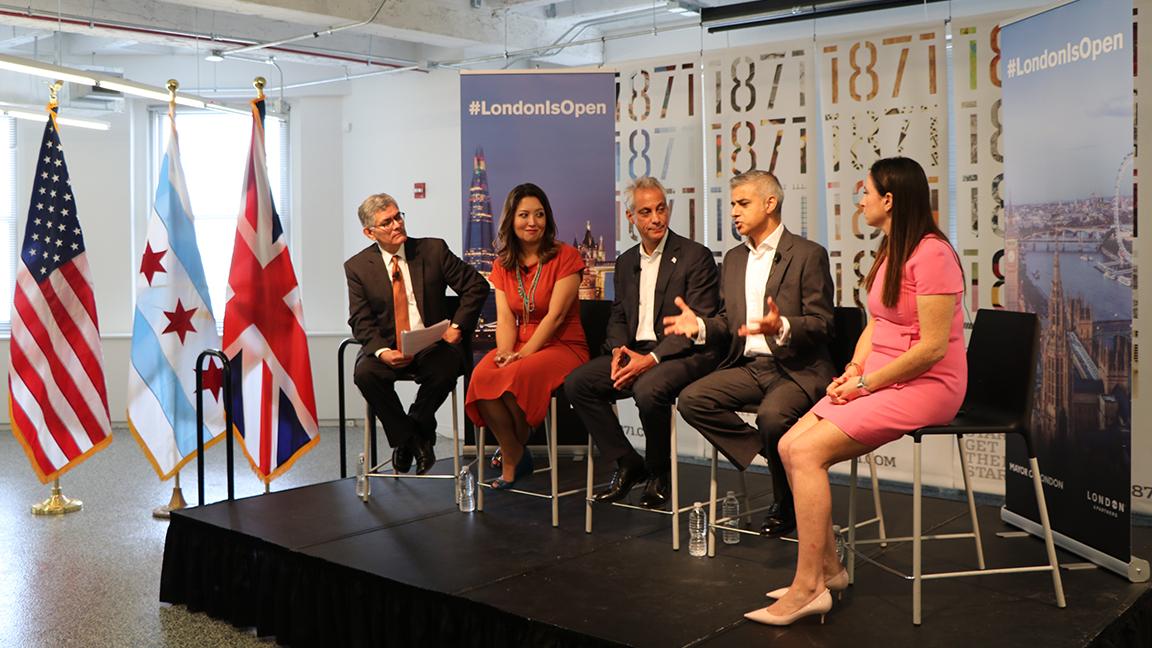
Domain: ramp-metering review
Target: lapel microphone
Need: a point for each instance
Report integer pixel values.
(776, 259)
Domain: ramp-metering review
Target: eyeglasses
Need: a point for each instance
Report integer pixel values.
(389, 222)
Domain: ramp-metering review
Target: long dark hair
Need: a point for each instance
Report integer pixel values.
(508, 247)
(912, 220)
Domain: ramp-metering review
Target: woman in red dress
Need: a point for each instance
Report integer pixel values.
(539, 339)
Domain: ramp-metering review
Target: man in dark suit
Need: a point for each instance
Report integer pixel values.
(412, 273)
(776, 324)
(645, 363)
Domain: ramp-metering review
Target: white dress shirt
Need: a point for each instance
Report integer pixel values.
(414, 321)
(760, 261)
(649, 270)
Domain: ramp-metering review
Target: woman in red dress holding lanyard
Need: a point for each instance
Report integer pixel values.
(539, 339)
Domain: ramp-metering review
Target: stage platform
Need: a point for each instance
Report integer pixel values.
(316, 566)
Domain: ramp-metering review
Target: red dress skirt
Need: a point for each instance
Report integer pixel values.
(531, 380)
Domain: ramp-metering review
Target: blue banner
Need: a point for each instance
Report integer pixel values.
(556, 130)
(1070, 205)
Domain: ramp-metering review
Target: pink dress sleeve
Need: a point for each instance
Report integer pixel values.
(933, 268)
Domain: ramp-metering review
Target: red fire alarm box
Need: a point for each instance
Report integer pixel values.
(419, 190)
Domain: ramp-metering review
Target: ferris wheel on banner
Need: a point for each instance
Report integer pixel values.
(1126, 163)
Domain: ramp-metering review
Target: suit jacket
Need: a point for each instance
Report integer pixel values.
(801, 285)
(687, 270)
(432, 267)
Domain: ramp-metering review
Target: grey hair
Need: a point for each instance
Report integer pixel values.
(765, 182)
(643, 182)
(371, 206)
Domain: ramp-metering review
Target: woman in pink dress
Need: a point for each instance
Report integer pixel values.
(539, 338)
(909, 371)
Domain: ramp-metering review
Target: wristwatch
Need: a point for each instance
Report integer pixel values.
(862, 386)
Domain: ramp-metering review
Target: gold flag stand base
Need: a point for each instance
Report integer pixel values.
(57, 504)
(175, 504)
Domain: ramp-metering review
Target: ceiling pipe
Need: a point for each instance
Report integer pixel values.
(75, 21)
(770, 12)
(315, 34)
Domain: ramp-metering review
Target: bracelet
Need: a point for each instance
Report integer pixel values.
(853, 364)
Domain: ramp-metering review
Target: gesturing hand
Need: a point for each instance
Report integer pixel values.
(770, 324)
(683, 324)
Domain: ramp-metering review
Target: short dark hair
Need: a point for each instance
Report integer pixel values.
(508, 247)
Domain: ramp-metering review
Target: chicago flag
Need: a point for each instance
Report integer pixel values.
(274, 405)
(172, 324)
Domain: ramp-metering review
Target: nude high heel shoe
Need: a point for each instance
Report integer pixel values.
(821, 605)
(837, 583)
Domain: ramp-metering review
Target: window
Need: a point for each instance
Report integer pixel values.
(213, 152)
(8, 240)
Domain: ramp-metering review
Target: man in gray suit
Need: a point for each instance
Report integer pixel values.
(397, 284)
(776, 323)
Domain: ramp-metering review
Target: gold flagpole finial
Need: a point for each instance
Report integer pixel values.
(172, 85)
(259, 83)
(53, 90)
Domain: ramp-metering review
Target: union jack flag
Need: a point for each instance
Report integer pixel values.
(58, 401)
(273, 401)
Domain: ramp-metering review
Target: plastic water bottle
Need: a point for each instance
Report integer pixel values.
(731, 509)
(466, 490)
(361, 480)
(698, 531)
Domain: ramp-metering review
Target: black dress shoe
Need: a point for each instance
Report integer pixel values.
(402, 458)
(625, 477)
(779, 522)
(425, 456)
(656, 491)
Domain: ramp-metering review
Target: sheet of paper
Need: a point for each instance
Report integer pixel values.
(413, 342)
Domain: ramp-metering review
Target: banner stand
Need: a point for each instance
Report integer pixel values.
(1135, 570)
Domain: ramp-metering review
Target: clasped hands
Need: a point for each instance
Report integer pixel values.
(627, 366)
(686, 322)
(505, 358)
(843, 388)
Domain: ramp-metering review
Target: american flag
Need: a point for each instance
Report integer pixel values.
(59, 404)
(264, 330)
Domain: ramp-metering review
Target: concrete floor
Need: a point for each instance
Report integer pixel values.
(92, 578)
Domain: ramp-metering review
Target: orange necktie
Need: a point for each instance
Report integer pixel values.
(399, 299)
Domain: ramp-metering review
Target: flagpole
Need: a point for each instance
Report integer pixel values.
(176, 502)
(259, 83)
(57, 503)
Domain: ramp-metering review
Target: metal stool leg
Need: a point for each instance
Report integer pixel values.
(588, 491)
(712, 506)
(971, 502)
(916, 539)
(852, 524)
(877, 506)
(455, 442)
(370, 467)
(743, 496)
(480, 468)
(675, 456)
(552, 466)
(1049, 546)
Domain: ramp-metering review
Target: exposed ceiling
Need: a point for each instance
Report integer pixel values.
(403, 33)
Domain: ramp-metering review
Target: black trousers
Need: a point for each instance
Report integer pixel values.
(590, 391)
(434, 369)
(710, 405)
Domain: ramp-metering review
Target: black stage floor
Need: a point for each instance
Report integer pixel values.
(315, 566)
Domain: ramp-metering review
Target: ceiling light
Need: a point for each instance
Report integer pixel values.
(215, 56)
(63, 121)
(141, 90)
(36, 68)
